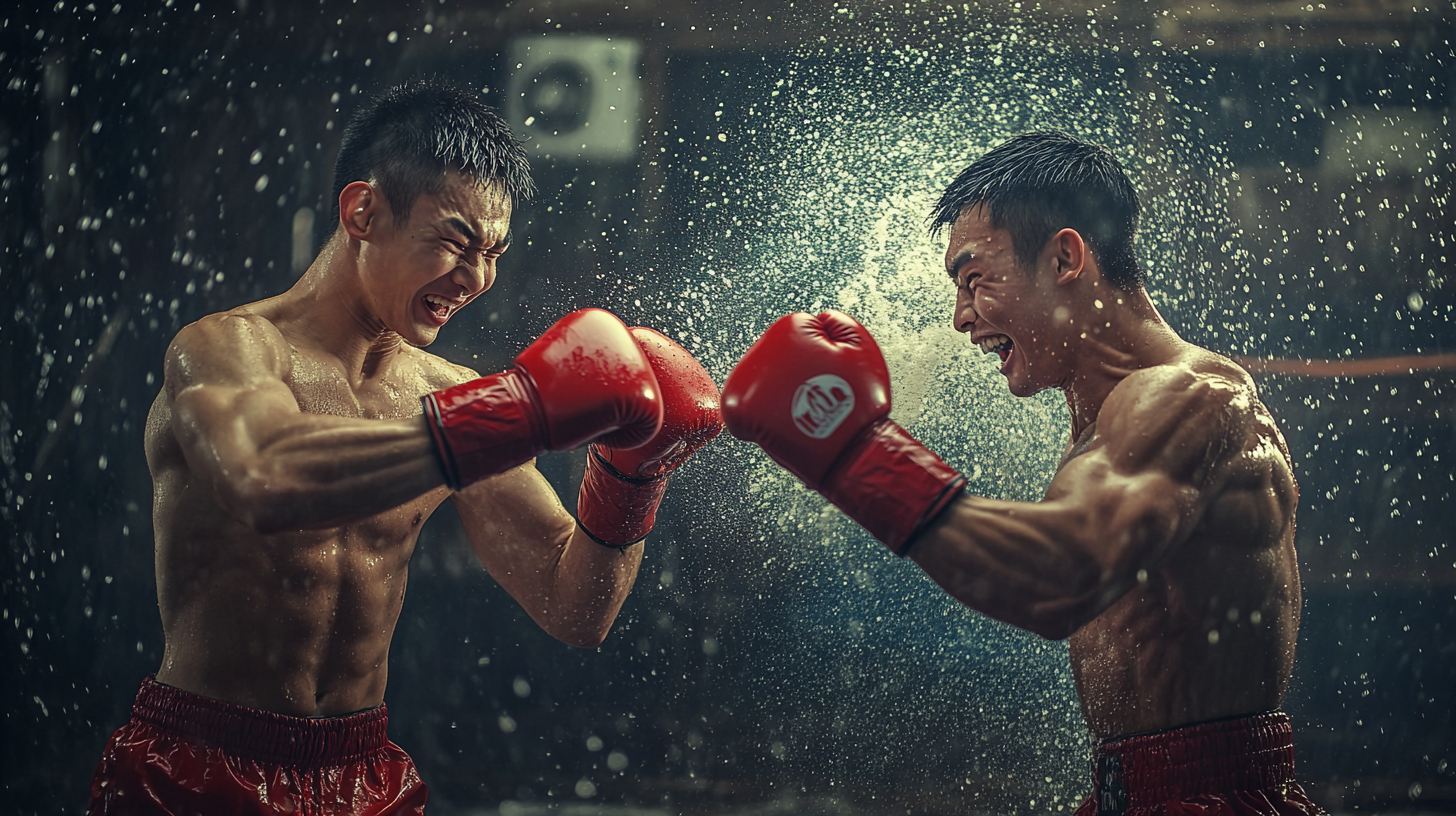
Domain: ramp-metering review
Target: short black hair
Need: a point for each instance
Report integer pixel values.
(1038, 183)
(406, 138)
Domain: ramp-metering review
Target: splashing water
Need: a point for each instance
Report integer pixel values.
(842, 164)
(838, 160)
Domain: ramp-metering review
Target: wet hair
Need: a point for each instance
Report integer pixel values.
(1038, 183)
(404, 140)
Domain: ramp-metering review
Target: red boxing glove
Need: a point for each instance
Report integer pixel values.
(814, 393)
(584, 379)
(622, 488)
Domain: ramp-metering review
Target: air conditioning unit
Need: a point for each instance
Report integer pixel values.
(575, 97)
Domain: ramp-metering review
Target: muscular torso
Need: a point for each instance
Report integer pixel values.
(294, 622)
(1163, 549)
(1208, 632)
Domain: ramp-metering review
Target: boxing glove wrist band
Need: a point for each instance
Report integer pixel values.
(485, 426)
(614, 509)
(891, 484)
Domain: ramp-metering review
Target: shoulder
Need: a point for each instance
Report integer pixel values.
(238, 326)
(1196, 381)
(235, 344)
(1192, 409)
(437, 372)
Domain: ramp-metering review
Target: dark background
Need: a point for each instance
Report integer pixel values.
(771, 658)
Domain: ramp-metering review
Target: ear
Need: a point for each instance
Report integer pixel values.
(359, 210)
(1068, 255)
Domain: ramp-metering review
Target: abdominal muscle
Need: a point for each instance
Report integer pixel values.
(295, 623)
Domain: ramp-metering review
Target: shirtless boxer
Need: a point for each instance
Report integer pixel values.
(1164, 546)
(293, 468)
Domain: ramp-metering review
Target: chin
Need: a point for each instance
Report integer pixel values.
(1024, 389)
(419, 338)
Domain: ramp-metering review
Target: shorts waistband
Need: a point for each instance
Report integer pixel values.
(1247, 753)
(264, 736)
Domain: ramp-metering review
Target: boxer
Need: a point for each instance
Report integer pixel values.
(1163, 548)
(300, 442)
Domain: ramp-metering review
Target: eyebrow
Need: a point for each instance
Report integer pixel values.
(955, 264)
(463, 228)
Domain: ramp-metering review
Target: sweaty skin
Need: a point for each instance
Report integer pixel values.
(293, 470)
(1164, 546)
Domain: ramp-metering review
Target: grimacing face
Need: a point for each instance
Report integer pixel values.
(420, 273)
(1006, 308)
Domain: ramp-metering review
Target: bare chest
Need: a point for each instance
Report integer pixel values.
(322, 388)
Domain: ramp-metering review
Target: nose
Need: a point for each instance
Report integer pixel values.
(475, 277)
(964, 316)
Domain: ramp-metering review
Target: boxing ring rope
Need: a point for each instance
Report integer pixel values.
(1372, 367)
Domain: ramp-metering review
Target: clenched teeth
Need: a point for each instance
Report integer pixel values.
(995, 343)
(439, 305)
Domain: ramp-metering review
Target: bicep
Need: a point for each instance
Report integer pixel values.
(515, 523)
(1120, 519)
(571, 586)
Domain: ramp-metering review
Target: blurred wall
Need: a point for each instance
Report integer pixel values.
(160, 164)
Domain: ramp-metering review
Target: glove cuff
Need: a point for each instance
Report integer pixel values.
(613, 508)
(485, 426)
(891, 484)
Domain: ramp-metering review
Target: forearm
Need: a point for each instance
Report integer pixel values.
(589, 585)
(1023, 563)
(322, 471)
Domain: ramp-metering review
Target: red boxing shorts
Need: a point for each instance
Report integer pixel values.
(183, 755)
(1239, 767)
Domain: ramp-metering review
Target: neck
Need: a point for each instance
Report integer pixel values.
(328, 310)
(1123, 336)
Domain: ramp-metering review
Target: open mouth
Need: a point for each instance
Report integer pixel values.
(439, 307)
(998, 344)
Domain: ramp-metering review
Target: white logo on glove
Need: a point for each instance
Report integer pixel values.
(821, 404)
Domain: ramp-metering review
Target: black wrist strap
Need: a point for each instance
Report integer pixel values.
(608, 544)
(610, 468)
